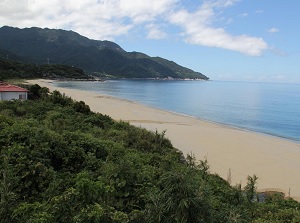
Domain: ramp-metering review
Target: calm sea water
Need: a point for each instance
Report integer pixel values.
(261, 107)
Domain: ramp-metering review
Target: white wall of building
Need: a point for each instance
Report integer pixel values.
(13, 95)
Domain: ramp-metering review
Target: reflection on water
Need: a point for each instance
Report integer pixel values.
(261, 107)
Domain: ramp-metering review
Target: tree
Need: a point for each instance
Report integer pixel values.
(250, 188)
(183, 198)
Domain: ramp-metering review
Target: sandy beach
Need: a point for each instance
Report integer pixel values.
(275, 161)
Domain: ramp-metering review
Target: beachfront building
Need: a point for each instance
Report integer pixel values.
(10, 92)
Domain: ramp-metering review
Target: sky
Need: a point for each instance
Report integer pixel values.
(232, 40)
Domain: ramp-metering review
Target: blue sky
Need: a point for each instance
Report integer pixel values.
(239, 40)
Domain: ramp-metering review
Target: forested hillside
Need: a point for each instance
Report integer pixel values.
(102, 58)
(60, 162)
(11, 69)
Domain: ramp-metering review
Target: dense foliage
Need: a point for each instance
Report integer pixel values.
(11, 69)
(102, 58)
(60, 162)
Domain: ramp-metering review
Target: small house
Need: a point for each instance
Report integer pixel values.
(10, 92)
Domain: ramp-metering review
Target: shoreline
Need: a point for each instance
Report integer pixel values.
(264, 133)
(225, 125)
(275, 160)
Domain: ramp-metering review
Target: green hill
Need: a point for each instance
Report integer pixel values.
(105, 58)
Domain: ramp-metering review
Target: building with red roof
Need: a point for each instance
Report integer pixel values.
(10, 92)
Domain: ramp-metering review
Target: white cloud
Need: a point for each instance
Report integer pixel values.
(154, 32)
(107, 19)
(259, 11)
(278, 52)
(279, 78)
(219, 3)
(141, 11)
(198, 29)
(273, 30)
(245, 14)
(100, 19)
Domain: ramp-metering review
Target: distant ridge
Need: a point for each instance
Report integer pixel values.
(101, 58)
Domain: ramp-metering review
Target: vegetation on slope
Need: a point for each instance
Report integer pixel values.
(11, 69)
(60, 162)
(103, 58)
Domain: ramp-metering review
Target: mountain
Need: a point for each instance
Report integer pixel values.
(105, 58)
(40, 46)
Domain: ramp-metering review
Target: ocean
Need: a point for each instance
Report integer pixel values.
(268, 108)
